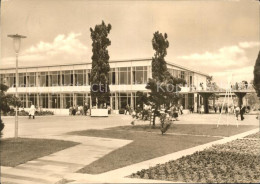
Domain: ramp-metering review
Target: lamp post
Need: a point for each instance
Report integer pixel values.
(17, 44)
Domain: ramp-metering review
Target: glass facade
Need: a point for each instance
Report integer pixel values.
(31, 79)
(22, 80)
(140, 75)
(56, 98)
(55, 101)
(54, 79)
(67, 100)
(124, 74)
(43, 100)
(112, 76)
(32, 99)
(80, 77)
(23, 100)
(43, 79)
(67, 78)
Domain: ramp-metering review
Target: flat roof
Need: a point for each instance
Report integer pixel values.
(111, 61)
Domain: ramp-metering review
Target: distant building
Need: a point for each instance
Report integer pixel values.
(61, 86)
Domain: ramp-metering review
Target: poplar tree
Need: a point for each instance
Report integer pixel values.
(256, 81)
(100, 91)
(160, 93)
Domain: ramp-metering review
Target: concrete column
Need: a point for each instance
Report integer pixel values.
(73, 99)
(132, 100)
(26, 102)
(38, 100)
(186, 101)
(116, 73)
(111, 102)
(49, 100)
(116, 101)
(90, 102)
(195, 102)
(61, 101)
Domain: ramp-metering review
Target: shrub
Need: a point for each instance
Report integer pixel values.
(44, 113)
(165, 123)
(20, 113)
(25, 113)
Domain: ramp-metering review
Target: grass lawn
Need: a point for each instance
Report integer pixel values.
(18, 151)
(145, 146)
(194, 129)
(233, 162)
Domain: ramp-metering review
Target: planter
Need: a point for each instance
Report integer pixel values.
(99, 113)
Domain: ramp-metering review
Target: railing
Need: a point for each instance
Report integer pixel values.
(241, 88)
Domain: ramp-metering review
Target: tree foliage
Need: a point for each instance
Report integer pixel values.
(100, 63)
(163, 86)
(7, 100)
(159, 67)
(256, 81)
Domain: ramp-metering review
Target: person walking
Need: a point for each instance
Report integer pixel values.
(85, 109)
(242, 112)
(175, 112)
(127, 109)
(181, 108)
(215, 109)
(74, 110)
(32, 111)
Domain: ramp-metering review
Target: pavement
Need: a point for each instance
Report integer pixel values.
(61, 167)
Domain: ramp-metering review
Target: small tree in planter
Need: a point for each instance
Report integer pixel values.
(100, 91)
(163, 86)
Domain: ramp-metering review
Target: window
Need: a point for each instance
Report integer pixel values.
(80, 77)
(9, 80)
(43, 100)
(23, 100)
(55, 101)
(88, 79)
(22, 79)
(55, 78)
(43, 78)
(124, 74)
(67, 101)
(67, 78)
(31, 79)
(182, 75)
(79, 99)
(32, 99)
(112, 76)
(140, 75)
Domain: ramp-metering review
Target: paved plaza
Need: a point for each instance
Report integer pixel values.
(62, 165)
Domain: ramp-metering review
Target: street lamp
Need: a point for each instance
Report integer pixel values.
(17, 44)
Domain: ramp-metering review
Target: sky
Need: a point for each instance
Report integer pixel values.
(217, 37)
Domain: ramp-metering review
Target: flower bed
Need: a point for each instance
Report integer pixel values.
(237, 161)
(25, 113)
(254, 136)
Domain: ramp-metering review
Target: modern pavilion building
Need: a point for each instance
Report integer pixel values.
(58, 87)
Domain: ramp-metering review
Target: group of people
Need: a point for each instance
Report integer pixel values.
(79, 110)
(146, 112)
(241, 85)
(232, 110)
